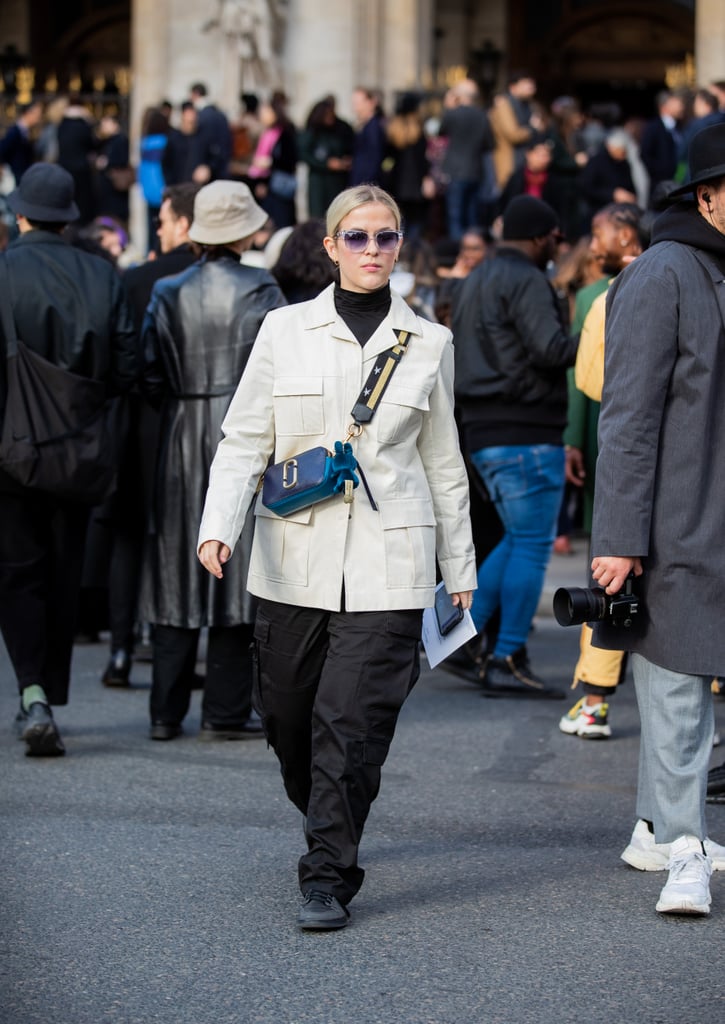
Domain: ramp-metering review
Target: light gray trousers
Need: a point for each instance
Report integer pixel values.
(678, 724)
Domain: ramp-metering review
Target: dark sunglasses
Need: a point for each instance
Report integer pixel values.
(357, 241)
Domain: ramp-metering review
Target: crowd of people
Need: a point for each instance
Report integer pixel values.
(480, 255)
(452, 162)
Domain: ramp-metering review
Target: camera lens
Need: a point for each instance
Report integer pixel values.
(575, 605)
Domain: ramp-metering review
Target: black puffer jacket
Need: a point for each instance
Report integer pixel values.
(512, 351)
(197, 335)
(70, 307)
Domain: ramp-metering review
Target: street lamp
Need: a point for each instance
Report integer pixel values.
(485, 62)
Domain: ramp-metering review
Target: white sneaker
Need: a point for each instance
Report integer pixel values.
(645, 854)
(688, 887)
(588, 721)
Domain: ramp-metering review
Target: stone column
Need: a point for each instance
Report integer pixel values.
(150, 70)
(709, 41)
(332, 47)
(150, 57)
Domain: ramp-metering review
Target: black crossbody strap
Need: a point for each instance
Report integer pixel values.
(379, 378)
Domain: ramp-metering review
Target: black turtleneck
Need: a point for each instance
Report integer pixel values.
(363, 312)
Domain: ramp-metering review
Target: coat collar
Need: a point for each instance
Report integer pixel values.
(716, 275)
(37, 236)
(321, 312)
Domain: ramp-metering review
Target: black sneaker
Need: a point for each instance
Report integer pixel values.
(118, 669)
(39, 731)
(165, 731)
(716, 785)
(512, 676)
(468, 661)
(321, 911)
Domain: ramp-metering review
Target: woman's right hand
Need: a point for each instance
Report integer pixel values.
(213, 554)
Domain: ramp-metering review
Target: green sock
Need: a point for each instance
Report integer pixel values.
(33, 695)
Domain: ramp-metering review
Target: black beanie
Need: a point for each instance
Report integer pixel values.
(527, 217)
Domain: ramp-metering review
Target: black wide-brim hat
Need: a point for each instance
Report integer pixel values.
(45, 193)
(706, 158)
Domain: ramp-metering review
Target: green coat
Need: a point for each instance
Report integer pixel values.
(583, 413)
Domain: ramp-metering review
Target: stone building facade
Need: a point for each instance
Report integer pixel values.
(312, 47)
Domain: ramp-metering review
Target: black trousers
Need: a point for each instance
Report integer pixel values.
(329, 688)
(41, 561)
(227, 696)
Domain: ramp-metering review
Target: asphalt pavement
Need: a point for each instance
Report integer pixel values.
(156, 882)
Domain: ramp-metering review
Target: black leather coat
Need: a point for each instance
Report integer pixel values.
(197, 335)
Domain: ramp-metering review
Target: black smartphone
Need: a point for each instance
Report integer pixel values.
(448, 614)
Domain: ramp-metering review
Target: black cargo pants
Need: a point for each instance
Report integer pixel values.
(329, 687)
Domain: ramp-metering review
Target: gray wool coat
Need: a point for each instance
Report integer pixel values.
(660, 482)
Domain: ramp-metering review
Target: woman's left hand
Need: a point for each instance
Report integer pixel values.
(463, 598)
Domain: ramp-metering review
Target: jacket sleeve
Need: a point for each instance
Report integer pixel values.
(505, 124)
(533, 310)
(153, 378)
(125, 363)
(245, 449)
(446, 475)
(639, 356)
(575, 432)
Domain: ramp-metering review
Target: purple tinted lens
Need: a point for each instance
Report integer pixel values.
(386, 240)
(357, 241)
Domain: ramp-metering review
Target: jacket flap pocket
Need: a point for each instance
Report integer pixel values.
(287, 386)
(413, 397)
(302, 515)
(397, 512)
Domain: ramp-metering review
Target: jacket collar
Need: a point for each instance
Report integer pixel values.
(36, 235)
(321, 312)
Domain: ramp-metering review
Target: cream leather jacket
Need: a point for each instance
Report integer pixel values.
(303, 377)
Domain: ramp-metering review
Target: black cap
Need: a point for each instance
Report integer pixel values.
(527, 217)
(45, 193)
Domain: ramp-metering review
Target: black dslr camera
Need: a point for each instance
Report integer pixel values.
(575, 605)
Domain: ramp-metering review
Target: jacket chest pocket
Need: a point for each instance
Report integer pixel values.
(298, 405)
(400, 413)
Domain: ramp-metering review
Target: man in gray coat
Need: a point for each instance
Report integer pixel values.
(465, 125)
(658, 514)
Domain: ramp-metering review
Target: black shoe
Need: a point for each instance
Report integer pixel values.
(164, 731)
(19, 722)
(39, 731)
(252, 727)
(716, 785)
(118, 669)
(321, 911)
(468, 661)
(512, 677)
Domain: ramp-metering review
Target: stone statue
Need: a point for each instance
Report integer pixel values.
(253, 33)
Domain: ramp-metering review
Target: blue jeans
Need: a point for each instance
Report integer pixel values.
(525, 483)
(461, 206)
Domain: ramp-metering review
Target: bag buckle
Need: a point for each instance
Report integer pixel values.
(354, 430)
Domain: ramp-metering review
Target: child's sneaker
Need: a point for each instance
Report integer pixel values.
(587, 721)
